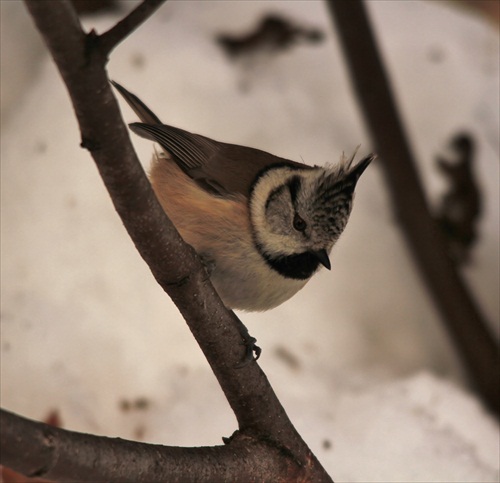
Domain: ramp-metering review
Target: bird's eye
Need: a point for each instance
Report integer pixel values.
(298, 223)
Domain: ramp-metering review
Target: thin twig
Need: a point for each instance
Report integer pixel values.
(110, 39)
(461, 314)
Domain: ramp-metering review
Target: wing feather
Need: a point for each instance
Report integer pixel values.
(190, 150)
(220, 168)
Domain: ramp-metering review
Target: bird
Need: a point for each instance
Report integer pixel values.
(262, 225)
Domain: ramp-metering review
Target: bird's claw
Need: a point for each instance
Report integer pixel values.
(252, 351)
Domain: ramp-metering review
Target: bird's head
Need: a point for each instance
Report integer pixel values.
(298, 214)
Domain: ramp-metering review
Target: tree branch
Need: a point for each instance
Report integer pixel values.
(80, 60)
(110, 39)
(466, 325)
(37, 449)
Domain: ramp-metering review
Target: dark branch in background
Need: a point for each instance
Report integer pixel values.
(466, 325)
(261, 418)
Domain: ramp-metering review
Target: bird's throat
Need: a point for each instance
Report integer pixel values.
(300, 266)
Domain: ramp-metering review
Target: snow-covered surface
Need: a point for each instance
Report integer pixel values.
(358, 358)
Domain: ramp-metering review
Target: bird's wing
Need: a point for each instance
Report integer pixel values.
(220, 168)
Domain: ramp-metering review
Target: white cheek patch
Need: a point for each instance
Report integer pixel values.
(270, 181)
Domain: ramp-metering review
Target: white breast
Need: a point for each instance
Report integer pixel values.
(245, 281)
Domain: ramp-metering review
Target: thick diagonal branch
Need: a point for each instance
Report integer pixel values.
(459, 311)
(174, 264)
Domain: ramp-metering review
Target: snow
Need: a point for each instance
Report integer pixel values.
(358, 358)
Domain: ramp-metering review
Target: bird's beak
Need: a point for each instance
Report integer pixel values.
(322, 256)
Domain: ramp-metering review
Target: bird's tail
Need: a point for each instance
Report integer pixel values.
(145, 114)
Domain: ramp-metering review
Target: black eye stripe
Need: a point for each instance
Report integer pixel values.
(294, 187)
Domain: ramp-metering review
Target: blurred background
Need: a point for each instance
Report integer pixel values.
(359, 358)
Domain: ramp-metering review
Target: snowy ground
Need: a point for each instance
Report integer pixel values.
(358, 358)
